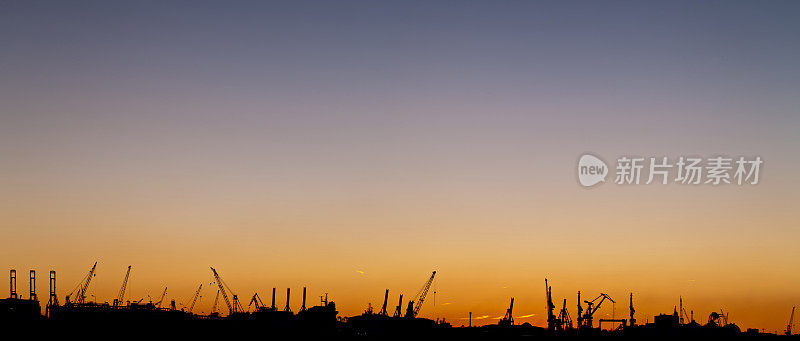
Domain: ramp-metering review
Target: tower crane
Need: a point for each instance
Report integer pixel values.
(121, 294)
(419, 298)
(194, 298)
(83, 287)
(791, 322)
(234, 307)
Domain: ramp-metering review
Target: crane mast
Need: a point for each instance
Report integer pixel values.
(216, 301)
(222, 290)
(121, 294)
(161, 299)
(194, 298)
(791, 322)
(85, 287)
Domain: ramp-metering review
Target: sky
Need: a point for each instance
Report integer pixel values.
(355, 146)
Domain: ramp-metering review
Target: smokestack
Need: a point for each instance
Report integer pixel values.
(32, 285)
(303, 307)
(13, 283)
(287, 301)
(273, 298)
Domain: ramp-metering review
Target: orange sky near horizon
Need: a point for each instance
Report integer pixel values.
(617, 247)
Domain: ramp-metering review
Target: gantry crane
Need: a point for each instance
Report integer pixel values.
(82, 287)
(234, 307)
(121, 294)
(592, 308)
(791, 322)
(194, 298)
(419, 298)
(508, 319)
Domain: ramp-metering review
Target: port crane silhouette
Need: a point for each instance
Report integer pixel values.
(564, 318)
(398, 310)
(413, 310)
(234, 307)
(592, 306)
(508, 319)
(552, 322)
(385, 302)
(121, 295)
(194, 298)
(161, 299)
(82, 287)
(257, 301)
(216, 302)
(563, 321)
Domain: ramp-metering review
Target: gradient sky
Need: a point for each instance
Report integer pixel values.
(356, 146)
